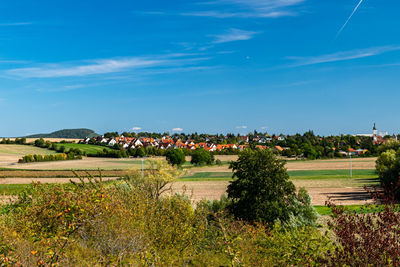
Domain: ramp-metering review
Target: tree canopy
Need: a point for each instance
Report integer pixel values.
(261, 190)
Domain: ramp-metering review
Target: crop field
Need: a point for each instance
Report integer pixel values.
(21, 150)
(322, 178)
(321, 185)
(10, 154)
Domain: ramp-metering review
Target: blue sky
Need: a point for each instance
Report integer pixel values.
(281, 66)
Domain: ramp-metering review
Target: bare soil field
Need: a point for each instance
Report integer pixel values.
(333, 164)
(30, 140)
(340, 195)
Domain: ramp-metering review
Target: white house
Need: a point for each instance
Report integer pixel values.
(137, 143)
(111, 142)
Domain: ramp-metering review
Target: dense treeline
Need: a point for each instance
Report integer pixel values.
(17, 141)
(55, 157)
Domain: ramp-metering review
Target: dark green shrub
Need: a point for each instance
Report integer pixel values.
(262, 192)
(175, 157)
(202, 157)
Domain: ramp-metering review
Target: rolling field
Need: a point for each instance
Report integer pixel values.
(10, 154)
(21, 150)
(322, 178)
(84, 147)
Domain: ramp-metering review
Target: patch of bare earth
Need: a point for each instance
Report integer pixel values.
(334, 164)
(319, 192)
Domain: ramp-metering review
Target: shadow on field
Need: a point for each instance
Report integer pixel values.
(349, 196)
(368, 180)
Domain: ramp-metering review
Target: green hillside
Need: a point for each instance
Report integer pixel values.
(67, 133)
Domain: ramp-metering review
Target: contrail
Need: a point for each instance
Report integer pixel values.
(347, 21)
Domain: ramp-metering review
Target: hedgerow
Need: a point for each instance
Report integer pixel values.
(55, 157)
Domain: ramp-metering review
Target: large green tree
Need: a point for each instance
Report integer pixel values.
(175, 157)
(261, 190)
(202, 157)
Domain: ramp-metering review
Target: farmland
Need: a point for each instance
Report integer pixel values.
(20, 150)
(89, 149)
(322, 178)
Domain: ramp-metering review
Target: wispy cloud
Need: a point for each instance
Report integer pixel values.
(247, 8)
(233, 35)
(264, 128)
(343, 56)
(136, 128)
(348, 19)
(102, 66)
(177, 129)
(10, 24)
(241, 127)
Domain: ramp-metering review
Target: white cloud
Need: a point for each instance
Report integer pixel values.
(264, 128)
(103, 66)
(96, 67)
(343, 56)
(241, 127)
(247, 9)
(136, 128)
(233, 35)
(177, 129)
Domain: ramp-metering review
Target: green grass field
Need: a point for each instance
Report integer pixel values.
(208, 176)
(89, 149)
(367, 175)
(12, 189)
(324, 210)
(332, 174)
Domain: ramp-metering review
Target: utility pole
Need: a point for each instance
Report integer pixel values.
(351, 170)
(142, 168)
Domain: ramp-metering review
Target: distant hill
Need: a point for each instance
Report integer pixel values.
(67, 133)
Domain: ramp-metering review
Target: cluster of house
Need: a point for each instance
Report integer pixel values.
(354, 152)
(378, 138)
(166, 143)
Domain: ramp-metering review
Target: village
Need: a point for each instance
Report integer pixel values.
(350, 145)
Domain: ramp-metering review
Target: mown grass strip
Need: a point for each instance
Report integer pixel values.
(325, 210)
(12, 189)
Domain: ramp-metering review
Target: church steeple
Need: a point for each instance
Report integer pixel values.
(375, 133)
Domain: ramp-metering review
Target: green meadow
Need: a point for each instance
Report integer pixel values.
(89, 149)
